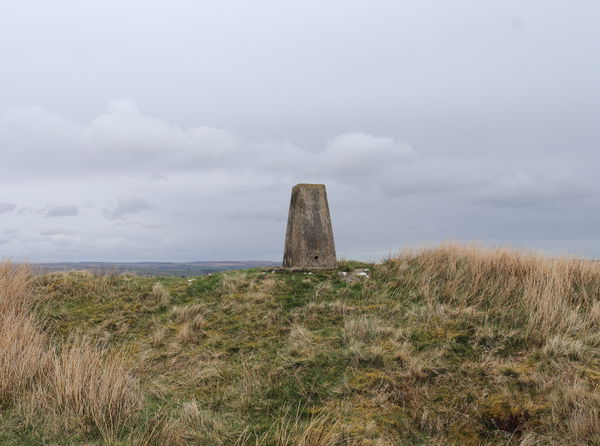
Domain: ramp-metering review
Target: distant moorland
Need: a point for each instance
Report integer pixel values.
(181, 269)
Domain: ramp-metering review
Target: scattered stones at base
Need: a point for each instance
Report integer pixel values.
(355, 275)
(291, 270)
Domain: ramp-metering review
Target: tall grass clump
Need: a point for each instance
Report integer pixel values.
(23, 352)
(543, 296)
(89, 387)
(291, 430)
(64, 388)
(232, 282)
(14, 292)
(23, 355)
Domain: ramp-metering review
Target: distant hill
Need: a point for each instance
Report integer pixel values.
(179, 269)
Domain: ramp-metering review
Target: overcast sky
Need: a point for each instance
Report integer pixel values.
(174, 130)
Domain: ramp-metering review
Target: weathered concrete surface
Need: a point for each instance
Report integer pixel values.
(309, 237)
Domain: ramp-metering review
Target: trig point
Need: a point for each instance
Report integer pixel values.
(309, 236)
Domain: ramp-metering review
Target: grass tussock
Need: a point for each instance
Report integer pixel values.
(300, 341)
(88, 387)
(292, 430)
(233, 282)
(363, 328)
(23, 355)
(545, 296)
(576, 409)
(14, 291)
(23, 351)
(452, 345)
(75, 388)
(160, 294)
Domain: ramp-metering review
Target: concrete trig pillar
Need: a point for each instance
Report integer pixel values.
(309, 236)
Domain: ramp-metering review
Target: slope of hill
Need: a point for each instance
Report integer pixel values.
(454, 345)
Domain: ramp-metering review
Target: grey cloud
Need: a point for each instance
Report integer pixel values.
(523, 191)
(208, 167)
(62, 211)
(125, 138)
(418, 116)
(354, 156)
(59, 232)
(24, 210)
(427, 178)
(126, 207)
(259, 213)
(7, 207)
(8, 236)
(141, 224)
(157, 176)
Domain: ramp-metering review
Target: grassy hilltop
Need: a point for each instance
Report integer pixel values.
(455, 345)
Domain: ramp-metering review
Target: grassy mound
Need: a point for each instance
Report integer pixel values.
(455, 345)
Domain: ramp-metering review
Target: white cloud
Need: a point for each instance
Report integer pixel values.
(355, 156)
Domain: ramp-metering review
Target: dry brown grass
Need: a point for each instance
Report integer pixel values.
(88, 386)
(199, 426)
(160, 430)
(79, 386)
(300, 340)
(364, 328)
(560, 346)
(158, 337)
(186, 313)
(249, 383)
(291, 430)
(232, 282)
(336, 307)
(160, 294)
(23, 355)
(14, 292)
(575, 409)
(191, 320)
(81, 282)
(23, 351)
(319, 431)
(544, 296)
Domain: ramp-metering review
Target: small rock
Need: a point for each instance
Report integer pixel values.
(355, 275)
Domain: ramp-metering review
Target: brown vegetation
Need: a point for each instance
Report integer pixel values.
(453, 345)
(547, 295)
(76, 388)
